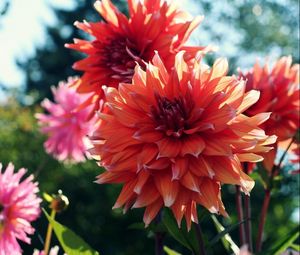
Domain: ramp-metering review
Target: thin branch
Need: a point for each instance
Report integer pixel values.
(262, 220)
(240, 213)
(200, 239)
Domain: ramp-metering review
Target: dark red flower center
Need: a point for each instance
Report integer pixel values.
(171, 115)
(120, 56)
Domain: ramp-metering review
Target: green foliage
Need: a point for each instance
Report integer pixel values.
(71, 243)
(283, 243)
(224, 236)
(90, 211)
(186, 238)
(170, 252)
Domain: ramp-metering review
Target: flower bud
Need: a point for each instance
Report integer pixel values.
(60, 202)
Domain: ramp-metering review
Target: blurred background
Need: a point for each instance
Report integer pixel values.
(33, 58)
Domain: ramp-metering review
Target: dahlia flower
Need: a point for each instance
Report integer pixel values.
(172, 138)
(66, 126)
(279, 88)
(120, 42)
(19, 206)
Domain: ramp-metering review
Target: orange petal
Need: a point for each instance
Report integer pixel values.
(169, 147)
(148, 153)
(167, 188)
(201, 167)
(109, 177)
(142, 178)
(219, 69)
(151, 211)
(209, 198)
(147, 196)
(191, 182)
(179, 168)
(126, 194)
(193, 145)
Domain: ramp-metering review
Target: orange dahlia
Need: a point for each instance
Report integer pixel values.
(172, 138)
(121, 42)
(279, 88)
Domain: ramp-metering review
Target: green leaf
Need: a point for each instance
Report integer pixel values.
(264, 177)
(187, 239)
(137, 225)
(295, 247)
(170, 252)
(281, 245)
(226, 239)
(70, 242)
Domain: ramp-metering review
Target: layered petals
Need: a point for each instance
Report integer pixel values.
(65, 125)
(120, 42)
(189, 141)
(279, 95)
(19, 206)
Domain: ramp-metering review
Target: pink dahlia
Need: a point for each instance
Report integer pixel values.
(66, 125)
(19, 206)
(53, 251)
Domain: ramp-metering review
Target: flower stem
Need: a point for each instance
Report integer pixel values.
(286, 151)
(239, 207)
(159, 236)
(49, 234)
(200, 239)
(262, 219)
(275, 170)
(248, 226)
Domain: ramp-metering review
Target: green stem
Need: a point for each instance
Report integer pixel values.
(262, 219)
(49, 234)
(248, 225)
(200, 239)
(240, 214)
(159, 236)
(275, 170)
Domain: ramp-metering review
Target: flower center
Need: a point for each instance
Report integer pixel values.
(171, 115)
(121, 56)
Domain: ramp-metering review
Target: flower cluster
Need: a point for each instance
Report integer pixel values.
(173, 138)
(169, 128)
(121, 42)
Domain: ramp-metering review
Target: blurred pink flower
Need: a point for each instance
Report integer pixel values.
(66, 124)
(53, 251)
(244, 250)
(19, 206)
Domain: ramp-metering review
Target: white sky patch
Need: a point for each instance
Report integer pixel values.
(22, 28)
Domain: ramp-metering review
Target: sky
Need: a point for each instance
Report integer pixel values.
(21, 30)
